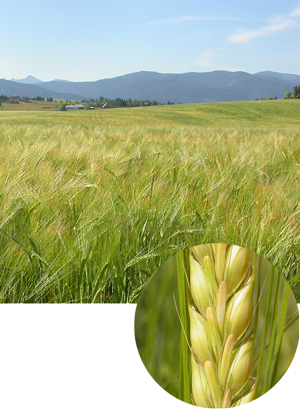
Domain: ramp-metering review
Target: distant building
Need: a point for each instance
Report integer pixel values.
(105, 106)
(74, 106)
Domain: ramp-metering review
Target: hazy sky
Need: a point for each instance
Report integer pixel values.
(83, 40)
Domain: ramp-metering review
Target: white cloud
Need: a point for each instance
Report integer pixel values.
(277, 24)
(245, 36)
(295, 13)
(182, 19)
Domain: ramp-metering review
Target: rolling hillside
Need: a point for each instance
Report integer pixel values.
(215, 86)
(31, 90)
(186, 88)
(293, 78)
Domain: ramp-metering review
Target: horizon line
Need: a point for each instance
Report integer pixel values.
(145, 71)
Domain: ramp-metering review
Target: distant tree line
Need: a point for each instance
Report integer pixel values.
(296, 93)
(113, 103)
(266, 99)
(119, 102)
(6, 98)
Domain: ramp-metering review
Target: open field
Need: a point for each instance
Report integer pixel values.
(92, 202)
(29, 106)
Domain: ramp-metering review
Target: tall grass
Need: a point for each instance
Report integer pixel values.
(92, 203)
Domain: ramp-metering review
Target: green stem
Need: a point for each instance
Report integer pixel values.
(287, 325)
(182, 260)
(269, 302)
(270, 356)
(291, 320)
(280, 332)
(256, 269)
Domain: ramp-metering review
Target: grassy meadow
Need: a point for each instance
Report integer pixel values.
(93, 202)
(29, 106)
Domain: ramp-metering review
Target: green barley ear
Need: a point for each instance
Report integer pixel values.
(213, 383)
(226, 359)
(221, 365)
(241, 367)
(200, 386)
(213, 333)
(198, 335)
(227, 399)
(248, 397)
(220, 254)
(237, 264)
(199, 287)
(239, 310)
(198, 253)
(210, 276)
(221, 304)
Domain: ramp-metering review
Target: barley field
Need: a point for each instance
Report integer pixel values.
(93, 202)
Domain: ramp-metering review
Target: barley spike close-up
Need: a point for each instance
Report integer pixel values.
(221, 286)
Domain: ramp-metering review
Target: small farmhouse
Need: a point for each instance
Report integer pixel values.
(105, 106)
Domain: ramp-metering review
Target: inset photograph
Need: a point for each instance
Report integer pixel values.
(217, 326)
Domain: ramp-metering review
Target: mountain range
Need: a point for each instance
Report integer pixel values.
(193, 87)
(28, 80)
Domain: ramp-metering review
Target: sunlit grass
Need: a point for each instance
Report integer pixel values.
(93, 202)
